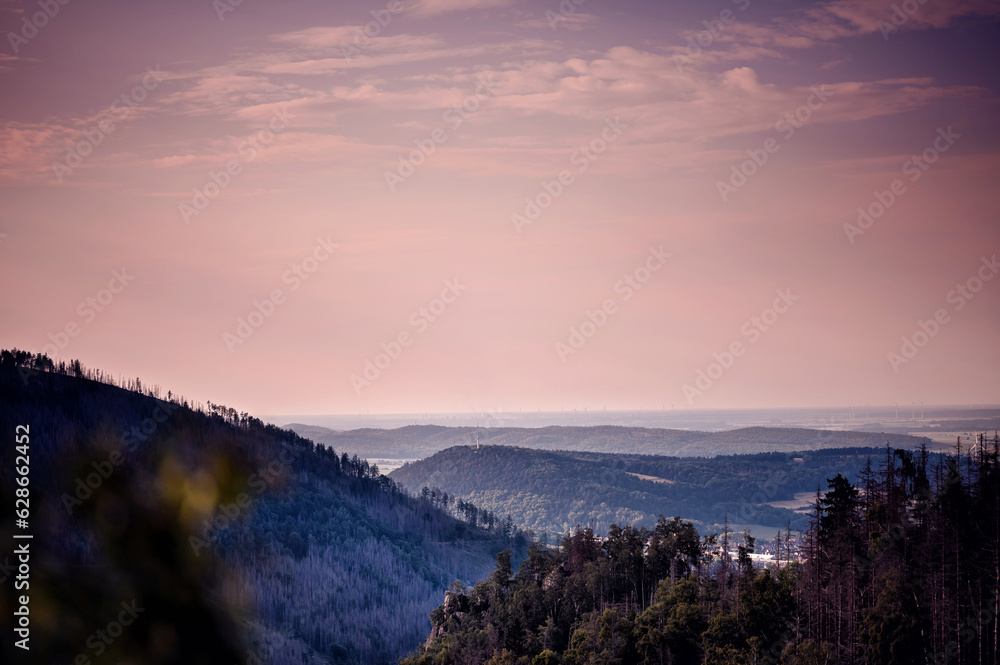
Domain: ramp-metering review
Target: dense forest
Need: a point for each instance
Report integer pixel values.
(549, 491)
(899, 569)
(419, 441)
(240, 540)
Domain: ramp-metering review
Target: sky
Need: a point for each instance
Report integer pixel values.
(473, 205)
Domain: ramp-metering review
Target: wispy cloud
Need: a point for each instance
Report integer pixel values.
(434, 7)
(689, 109)
(7, 61)
(840, 19)
(556, 20)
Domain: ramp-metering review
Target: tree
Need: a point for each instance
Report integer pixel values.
(501, 577)
(546, 657)
(670, 630)
(892, 630)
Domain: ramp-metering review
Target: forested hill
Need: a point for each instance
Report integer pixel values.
(556, 491)
(902, 568)
(241, 542)
(418, 441)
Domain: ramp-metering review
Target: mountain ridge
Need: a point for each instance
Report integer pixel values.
(417, 441)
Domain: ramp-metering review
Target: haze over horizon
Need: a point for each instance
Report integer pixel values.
(896, 418)
(502, 205)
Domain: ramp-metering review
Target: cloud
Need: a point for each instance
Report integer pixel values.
(863, 15)
(744, 41)
(29, 151)
(226, 89)
(318, 37)
(852, 18)
(559, 21)
(7, 61)
(344, 39)
(290, 146)
(244, 82)
(324, 66)
(699, 107)
(743, 78)
(413, 125)
(391, 90)
(434, 7)
(687, 112)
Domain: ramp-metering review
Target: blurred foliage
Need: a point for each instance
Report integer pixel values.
(233, 541)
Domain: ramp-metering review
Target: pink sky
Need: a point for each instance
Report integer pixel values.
(309, 117)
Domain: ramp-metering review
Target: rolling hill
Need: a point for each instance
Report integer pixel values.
(419, 441)
(555, 491)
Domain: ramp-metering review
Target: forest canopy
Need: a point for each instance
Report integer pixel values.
(900, 569)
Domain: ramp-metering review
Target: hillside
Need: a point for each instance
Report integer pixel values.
(898, 569)
(234, 538)
(418, 441)
(556, 491)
